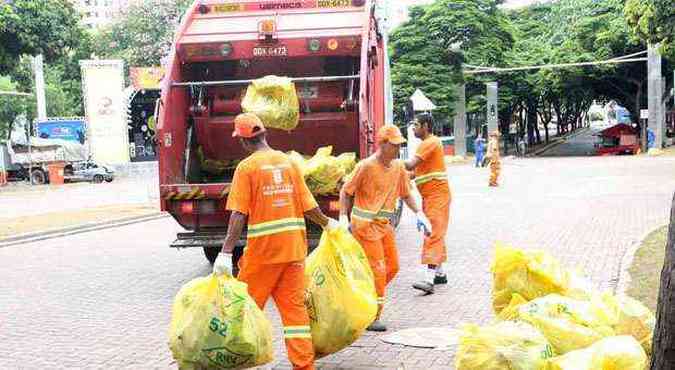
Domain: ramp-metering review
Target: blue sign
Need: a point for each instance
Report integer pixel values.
(72, 130)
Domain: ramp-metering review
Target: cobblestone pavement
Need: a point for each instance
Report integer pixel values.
(103, 300)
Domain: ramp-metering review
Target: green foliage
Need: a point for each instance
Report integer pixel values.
(48, 27)
(143, 33)
(653, 21)
(428, 50)
(10, 105)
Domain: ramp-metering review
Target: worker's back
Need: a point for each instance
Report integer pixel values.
(270, 189)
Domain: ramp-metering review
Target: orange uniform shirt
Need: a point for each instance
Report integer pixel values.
(431, 173)
(376, 190)
(269, 188)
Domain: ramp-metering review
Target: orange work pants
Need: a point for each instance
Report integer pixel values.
(436, 206)
(495, 169)
(383, 259)
(285, 282)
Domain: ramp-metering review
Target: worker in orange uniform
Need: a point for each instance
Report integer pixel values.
(372, 195)
(494, 157)
(431, 180)
(269, 191)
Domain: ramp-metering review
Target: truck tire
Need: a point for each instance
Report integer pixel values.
(38, 177)
(98, 179)
(211, 254)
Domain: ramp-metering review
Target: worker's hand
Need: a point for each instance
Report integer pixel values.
(423, 223)
(223, 264)
(332, 224)
(344, 222)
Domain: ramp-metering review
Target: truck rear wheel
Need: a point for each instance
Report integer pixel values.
(211, 254)
(98, 179)
(38, 177)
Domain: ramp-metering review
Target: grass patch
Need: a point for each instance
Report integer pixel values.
(645, 272)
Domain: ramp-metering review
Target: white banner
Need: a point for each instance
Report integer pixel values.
(104, 106)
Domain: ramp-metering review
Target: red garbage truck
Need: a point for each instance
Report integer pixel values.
(334, 52)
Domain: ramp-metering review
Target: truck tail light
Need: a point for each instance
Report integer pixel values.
(186, 207)
(333, 44)
(226, 50)
(358, 2)
(314, 45)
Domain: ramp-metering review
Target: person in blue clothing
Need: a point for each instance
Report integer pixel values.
(479, 146)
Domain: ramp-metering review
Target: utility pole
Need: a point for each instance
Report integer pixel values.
(655, 94)
(38, 69)
(460, 121)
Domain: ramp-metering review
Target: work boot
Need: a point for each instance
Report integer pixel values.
(440, 279)
(377, 325)
(424, 286)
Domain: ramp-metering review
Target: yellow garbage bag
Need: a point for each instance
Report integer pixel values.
(215, 324)
(531, 274)
(274, 100)
(324, 172)
(341, 298)
(632, 318)
(568, 324)
(613, 353)
(508, 345)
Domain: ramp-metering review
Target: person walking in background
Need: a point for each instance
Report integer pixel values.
(479, 148)
(494, 158)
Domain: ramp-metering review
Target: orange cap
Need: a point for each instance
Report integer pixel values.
(391, 134)
(247, 125)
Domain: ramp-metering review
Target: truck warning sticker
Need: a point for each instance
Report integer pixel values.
(228, 8)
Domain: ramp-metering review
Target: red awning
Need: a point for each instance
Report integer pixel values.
(618, 130)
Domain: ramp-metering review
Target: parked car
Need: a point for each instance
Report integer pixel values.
(89, 171)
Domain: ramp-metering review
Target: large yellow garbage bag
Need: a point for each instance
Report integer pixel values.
(568, 324)
(341, 298)
(274, 100)
(507, 345)
(215, 324)
(632, 318)
(531, 274)
(323, 172)
(613, 353)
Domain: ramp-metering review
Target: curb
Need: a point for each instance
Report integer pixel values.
(77, 229)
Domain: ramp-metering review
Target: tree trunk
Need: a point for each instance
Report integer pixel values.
(663, 346)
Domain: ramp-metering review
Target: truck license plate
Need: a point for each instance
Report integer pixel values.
(270, 51)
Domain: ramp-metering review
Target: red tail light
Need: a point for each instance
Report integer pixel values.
(186, 207)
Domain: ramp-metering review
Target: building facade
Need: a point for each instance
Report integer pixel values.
(97, 13)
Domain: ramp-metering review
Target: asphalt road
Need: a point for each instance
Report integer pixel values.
(102, 300)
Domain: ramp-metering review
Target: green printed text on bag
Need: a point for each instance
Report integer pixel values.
(215, 324)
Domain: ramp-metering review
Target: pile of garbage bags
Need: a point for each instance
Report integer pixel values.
(540, 304)
(324, 172)
(341, 298)
(215, 324)
(275, 101)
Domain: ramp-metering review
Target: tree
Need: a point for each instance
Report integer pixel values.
(10, 105)
(48, 27)
(663, 345)
(653, 21)
(143, 34)
(428, 50)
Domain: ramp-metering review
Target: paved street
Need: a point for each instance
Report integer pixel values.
(102, 300)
